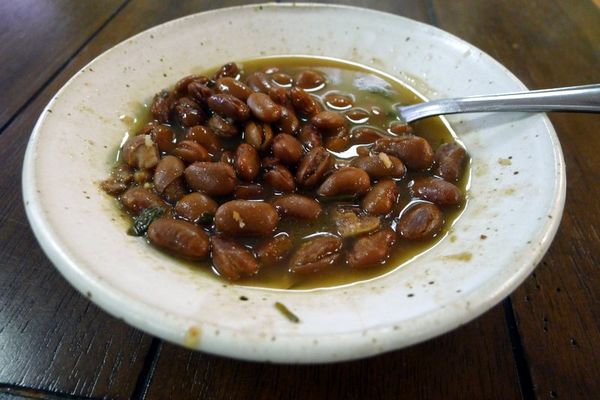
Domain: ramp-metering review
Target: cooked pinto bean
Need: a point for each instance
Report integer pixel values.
(168, 179)
(450, 160)
(282, 79)
(274, 250)
(162, 135)
(182, 84)
(258, 135)
(368, 251)
(288, 123)
(200, 92)
(142, 176)
(246, 218)
(188, 112)
(436, 190)
(399, 128)
(287, 149)
(380, 166)
(223, 127)
(175, 191)
(227, 70)
(249, 191)
(259, 82)
(113, 187)
(420, 221)
(180, 237)
(227, 157)
(141, 152)
(167, 171)
(298, 206)
(339, 141)
(280, 96)
(269, 162)
(263, 107)
(414, 151)
(303, 102)
(338, 101)
(120, 177)
(190, 151)
(365, 135)
(122, 173)
(247, 162)
(310, 80)
(310, 137)
(280, 178)
(329, 121)
(348, 180)
(313, 167)
(161, 106)
(229, 106)
(233, 87)
(196, 207)
(316, 255)
(204, 136)
(349, 223)
(363, 151)
(137, 199)
(358, 115)
(381, 198)
(212, 178)
(231, 259)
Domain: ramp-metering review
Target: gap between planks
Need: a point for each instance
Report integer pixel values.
(62, 67)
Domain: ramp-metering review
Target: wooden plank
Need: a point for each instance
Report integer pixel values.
(36, 38)
(20, 393)
(467, 363)
(553, 43)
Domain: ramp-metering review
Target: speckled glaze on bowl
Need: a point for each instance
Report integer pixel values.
(515, 201)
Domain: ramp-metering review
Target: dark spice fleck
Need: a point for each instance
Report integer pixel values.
(483, 237)
(287, 313)
(243, 298)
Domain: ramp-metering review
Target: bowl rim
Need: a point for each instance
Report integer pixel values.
(143, 317)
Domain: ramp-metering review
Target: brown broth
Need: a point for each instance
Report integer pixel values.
(369, 88)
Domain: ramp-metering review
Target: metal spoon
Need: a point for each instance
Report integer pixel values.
(574, 98)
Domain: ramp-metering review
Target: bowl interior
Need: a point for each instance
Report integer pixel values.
(515, 198)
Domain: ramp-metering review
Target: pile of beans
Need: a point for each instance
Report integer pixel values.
(228, 157)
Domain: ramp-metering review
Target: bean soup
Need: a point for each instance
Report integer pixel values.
(289, 172)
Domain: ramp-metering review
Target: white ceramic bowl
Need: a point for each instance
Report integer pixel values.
(516, 196)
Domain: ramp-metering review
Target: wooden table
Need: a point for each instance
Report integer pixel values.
(541, 342)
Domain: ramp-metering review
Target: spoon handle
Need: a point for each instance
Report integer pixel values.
(574, 98)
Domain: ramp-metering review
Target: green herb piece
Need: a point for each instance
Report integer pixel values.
(287, 313)
(143, 221)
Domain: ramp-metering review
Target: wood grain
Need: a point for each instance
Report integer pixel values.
(547, 44)
(36, 38)
(471, 361)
